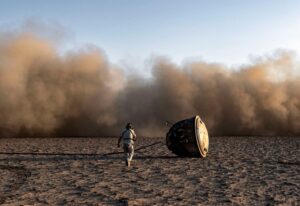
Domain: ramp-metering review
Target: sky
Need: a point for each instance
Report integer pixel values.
(130, 32)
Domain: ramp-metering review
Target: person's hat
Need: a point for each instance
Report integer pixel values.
(129, 126)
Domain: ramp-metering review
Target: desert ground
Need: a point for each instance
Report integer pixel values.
(90, 171)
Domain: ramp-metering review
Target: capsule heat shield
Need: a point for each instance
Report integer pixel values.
(188, 138)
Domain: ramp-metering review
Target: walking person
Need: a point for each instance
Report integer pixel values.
(128, 137)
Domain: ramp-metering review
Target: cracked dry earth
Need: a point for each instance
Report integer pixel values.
(237, 171)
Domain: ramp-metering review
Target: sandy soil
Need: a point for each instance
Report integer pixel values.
(237, 171)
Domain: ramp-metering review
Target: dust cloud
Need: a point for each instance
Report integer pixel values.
(80, 93)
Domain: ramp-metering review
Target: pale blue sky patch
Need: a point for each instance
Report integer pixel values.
(224, 31)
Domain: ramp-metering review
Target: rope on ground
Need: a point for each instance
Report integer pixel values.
(138, 149)
(77, 154)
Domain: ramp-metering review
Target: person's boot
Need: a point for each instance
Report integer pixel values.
(126, 162)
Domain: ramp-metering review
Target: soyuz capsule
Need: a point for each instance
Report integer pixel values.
(188, 138)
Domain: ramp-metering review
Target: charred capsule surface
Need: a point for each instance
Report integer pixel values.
(188, 138)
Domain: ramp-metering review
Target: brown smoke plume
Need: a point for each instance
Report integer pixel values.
(82, 94)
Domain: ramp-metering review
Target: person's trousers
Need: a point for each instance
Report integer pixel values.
(129, 151)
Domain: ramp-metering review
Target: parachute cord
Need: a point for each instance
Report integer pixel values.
(78, 154)
(138, 149)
